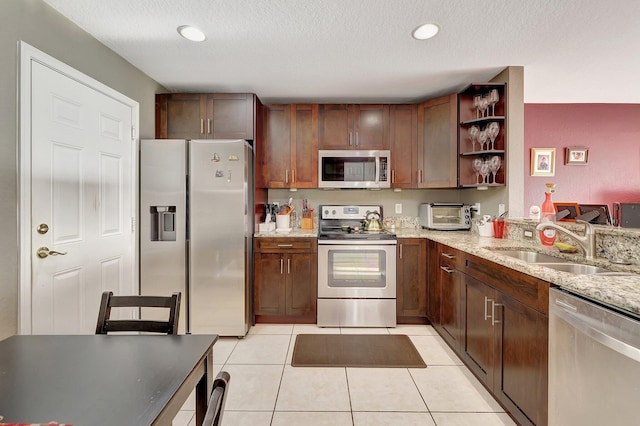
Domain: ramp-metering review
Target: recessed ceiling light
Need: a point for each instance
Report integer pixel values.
(425, 31)
(191, 33)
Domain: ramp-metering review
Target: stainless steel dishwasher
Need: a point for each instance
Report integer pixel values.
(594, 363)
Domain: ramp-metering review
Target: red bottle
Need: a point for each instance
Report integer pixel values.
(547, 214)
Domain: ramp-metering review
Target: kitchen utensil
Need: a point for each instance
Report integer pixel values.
(372, 222)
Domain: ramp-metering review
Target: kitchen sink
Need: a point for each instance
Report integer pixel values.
(531, 256)
(575, 268)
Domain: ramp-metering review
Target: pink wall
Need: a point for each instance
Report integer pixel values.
(612, 134)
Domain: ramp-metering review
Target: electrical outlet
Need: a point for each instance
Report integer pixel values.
(398, 208)
(501, 209)
(476, 206)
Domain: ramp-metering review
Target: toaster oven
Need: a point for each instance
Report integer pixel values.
(445, 216)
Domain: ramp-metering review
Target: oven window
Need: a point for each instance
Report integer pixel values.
(447, 215)
(362, 268)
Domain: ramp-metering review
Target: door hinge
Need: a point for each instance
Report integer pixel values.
(133, 133)
(133, 224)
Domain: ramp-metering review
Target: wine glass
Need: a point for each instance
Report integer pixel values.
(494, 97)
(485, 170)
(483, 137)
(473, 135)
(477, 101)
(476, 166)
(484, 105)
(494, 166)
(493, 130)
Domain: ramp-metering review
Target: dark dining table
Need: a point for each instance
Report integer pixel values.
(103, 379)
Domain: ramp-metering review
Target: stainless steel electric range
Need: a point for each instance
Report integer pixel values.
(356, 269)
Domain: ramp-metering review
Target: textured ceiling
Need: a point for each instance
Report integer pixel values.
(573, 51)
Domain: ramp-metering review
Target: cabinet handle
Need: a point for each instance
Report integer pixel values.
(293, 176)
(357, 138)
(289, 266)
(449, 256)
(202, 125)
(393, 176)
(350, 138)
(208, 126)
(420, 180)
(285, 245)
(286, 176)
(281, 266)
(494, 321)
(447, 269)
(486, 314)
(400, 251)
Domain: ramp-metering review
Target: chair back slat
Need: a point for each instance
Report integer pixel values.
(106, 324)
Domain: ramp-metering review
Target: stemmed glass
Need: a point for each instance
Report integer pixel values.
(484, 105)
(493, 130)
(494, 97)
(477, 101)
(473, 135)
(494, 166)
(476, 166)
(485, 170)
(483, 138)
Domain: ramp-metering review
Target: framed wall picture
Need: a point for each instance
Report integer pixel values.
(605, 216)
(576, 155)
(543, 161)
(574, 210)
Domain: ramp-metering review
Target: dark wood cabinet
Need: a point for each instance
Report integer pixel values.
(433, 283)
(411, 280)
(482, 134)
(450, 297)
(403, 143)
(350, 126)
(285, 276)
(496, 319)
(438, 143)
(290, 146)
(211, 116)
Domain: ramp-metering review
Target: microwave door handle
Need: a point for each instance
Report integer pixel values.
(377, 169)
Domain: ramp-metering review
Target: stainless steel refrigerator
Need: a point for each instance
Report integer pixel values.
(196, 229)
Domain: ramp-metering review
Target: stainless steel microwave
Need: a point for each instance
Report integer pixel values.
(354, 169)
(445, 216)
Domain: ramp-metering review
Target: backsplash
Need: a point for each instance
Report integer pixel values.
(611, 243)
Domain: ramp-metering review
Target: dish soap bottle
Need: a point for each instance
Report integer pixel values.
(547, 214)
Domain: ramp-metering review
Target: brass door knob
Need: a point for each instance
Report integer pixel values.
(45, 252)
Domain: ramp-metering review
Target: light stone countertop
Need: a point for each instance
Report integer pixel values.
(298, 233)
(622, 292)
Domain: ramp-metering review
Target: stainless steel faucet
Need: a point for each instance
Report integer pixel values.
(587, 243)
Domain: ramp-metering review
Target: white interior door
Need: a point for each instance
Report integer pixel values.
(81, 201)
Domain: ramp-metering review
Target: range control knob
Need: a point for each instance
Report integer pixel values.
(333, 212)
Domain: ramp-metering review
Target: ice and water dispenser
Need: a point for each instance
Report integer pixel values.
(163, 223)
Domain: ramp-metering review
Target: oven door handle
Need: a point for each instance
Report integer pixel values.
(358, 242)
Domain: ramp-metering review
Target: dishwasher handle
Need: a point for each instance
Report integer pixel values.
(613, 330)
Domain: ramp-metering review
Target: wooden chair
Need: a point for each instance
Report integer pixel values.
(105, 324)
(213, 416)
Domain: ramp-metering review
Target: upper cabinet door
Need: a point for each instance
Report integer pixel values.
(334, 127)
(438, 143)
(403, 138)
(342, 126)
(277, 146)
(370, 126)
(304, 146)
(180, 116)
(233, 115)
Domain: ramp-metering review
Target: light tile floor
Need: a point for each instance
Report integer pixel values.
(266, 391)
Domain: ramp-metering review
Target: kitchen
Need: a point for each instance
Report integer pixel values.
(72, 45)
